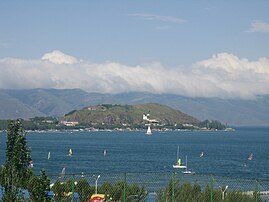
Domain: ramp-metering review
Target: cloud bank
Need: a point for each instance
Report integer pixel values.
(223, 75)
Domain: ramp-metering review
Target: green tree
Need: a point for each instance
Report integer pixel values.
(172, 187)
(185, 193)
(117, 193)
(14, 174)
(59, 189)
(136, 193)
(84, 189)
(37, 186)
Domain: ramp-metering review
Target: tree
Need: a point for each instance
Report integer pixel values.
(37, 186)
(84, 189)
(14, 174)
(59, 189)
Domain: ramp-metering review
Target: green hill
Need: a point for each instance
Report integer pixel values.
(129, 114)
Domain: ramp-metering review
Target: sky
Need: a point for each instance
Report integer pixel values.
(193, 48)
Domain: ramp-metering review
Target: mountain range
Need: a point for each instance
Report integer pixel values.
(57, 102)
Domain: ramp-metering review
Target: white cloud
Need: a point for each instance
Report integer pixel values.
(234, 76)
(223, 75)
(259, 26)
(162, 18)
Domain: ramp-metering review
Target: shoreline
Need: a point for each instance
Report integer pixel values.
(124, 130)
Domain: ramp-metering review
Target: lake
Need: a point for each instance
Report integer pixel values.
(225, 153)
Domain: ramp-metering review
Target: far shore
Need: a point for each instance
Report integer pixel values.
(122, 130)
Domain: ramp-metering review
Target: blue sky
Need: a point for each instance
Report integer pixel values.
(145, 37)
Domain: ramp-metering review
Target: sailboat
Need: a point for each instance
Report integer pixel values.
(250, 157)
(70, 152)
(178, 164)
(62, 173)
(187, 171)
(148, 131)
(104, 152)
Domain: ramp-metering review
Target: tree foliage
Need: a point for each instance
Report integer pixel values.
(213, 124)
(193, 193)
(114, 192)
(37, 186)
(16, 174)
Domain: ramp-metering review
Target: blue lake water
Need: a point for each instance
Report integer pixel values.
(225, 153)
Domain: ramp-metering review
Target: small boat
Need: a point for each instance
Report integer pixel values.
(62, 174)
(104, 152)
(202, 154)
(70, 152)
(148, 131)
(250, 157)
(187, 172)
(178, 163)
(48, 155)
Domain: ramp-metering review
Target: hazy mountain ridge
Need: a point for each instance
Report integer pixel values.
(54, 102)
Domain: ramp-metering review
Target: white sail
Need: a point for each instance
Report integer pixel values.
(149, 131)
(104, 152)
(62, 173)
(250, 157)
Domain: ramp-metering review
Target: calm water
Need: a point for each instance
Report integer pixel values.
(225, 153)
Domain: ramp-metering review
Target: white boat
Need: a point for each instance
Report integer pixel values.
(178, 163)
(250, 157)
(149, 131)
(62, 174)
(187, 172)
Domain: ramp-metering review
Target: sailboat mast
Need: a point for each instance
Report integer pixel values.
(186, 163)
(177, 152)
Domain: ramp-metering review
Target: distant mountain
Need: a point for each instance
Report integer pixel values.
(129, 114)
(52, 102)
(11, 107)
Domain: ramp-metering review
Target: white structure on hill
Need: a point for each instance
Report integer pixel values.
(146, 118)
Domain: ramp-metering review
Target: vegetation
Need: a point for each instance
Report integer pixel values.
(194, 193)
(16, 174)
(37, 123)
(129, 114)
(173, 191)
(212, 125)
(113, 192)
